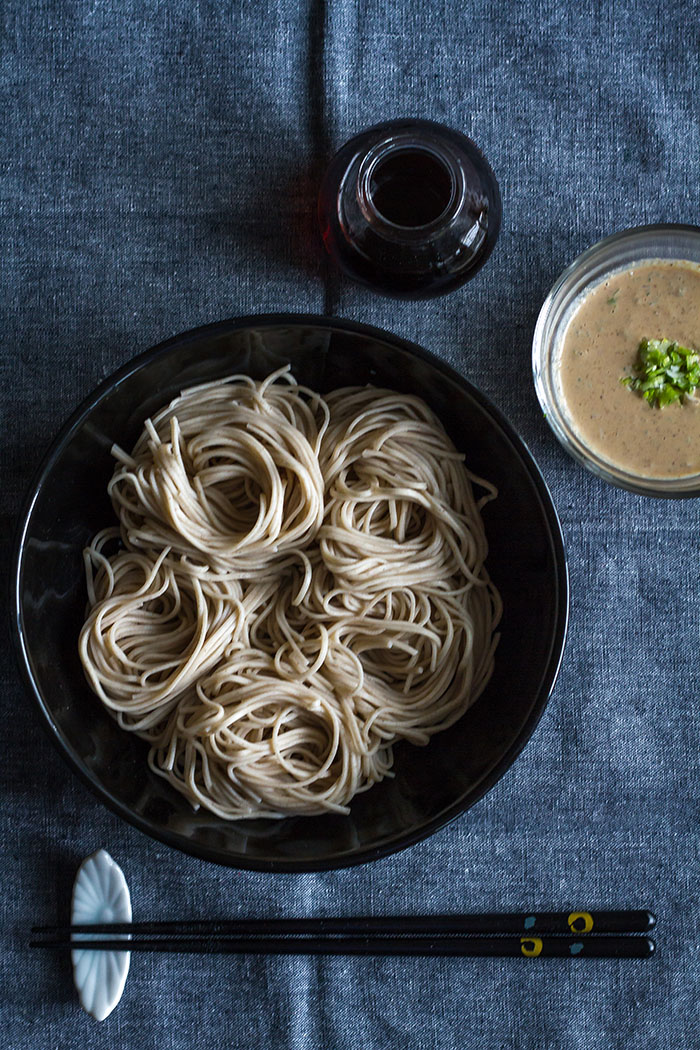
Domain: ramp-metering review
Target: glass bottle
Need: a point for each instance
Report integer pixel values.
(410, 208)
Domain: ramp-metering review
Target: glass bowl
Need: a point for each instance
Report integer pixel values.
(68, 503)
(612, 254)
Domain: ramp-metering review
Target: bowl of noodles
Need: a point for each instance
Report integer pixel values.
(265, 568)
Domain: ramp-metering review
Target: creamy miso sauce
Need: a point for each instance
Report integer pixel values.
(653, 299)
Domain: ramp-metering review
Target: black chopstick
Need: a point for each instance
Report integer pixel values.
(622, 947)
(571, 934)
(579, 922)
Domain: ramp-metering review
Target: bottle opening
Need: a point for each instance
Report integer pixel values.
(410, 188)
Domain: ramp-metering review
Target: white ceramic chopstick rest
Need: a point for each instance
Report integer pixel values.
(100, 894)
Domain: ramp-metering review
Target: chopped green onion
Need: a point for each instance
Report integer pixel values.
(665, 372)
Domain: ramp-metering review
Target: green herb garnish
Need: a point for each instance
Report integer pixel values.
(665, 372)
(612, 301)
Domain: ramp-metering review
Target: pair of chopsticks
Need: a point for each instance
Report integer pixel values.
(580, 934)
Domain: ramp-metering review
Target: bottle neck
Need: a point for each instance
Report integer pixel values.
(408, 191)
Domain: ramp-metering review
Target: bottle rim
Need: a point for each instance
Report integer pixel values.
(385, 151)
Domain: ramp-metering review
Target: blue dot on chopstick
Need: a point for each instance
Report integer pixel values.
(576, 948)
(530, 922)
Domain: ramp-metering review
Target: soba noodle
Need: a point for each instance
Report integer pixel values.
(296, 583)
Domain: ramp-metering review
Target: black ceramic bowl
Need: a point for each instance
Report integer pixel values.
(68, 504)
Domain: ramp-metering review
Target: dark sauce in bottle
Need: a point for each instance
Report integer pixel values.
(410, 208)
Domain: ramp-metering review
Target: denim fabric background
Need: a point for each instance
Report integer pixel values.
(160, 163)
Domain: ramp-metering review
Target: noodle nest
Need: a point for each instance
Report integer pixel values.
(296, 583)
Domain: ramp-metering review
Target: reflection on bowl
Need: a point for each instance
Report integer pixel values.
(588, 334)
(432, 785)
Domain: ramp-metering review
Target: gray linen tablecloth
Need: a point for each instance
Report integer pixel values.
(160, 163)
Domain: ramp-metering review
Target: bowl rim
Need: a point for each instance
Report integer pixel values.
(394, 843)
(661, 488)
